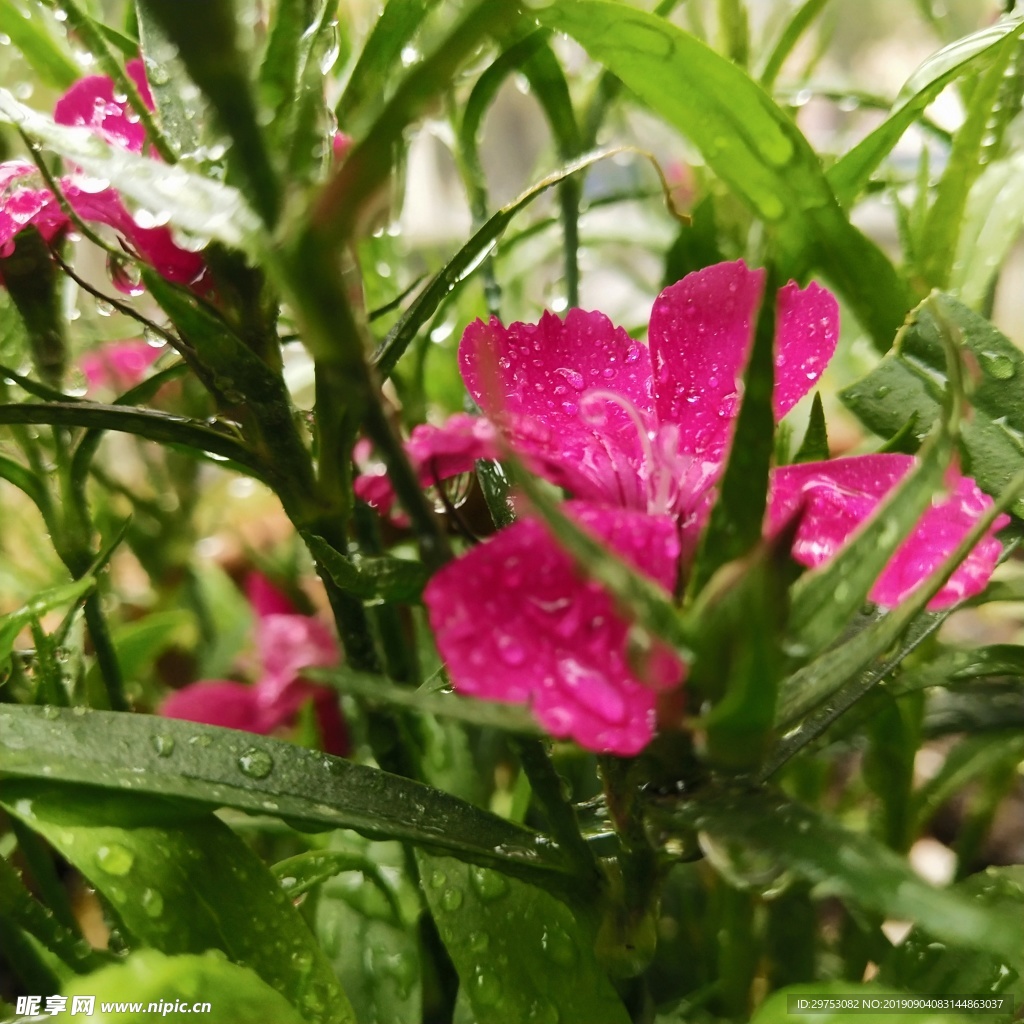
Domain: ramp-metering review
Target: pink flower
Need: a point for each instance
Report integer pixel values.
(287, 643)
(639, 436)
(119, 365)
(24, 202)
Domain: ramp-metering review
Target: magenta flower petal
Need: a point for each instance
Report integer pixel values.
(265, 598)
(575, 395)
(288, 644)
(838, 496)
(22, 206)
(807, 329)
(90, 103)
(218, 702)
(700, 336)
(118, 365)
(516, 622)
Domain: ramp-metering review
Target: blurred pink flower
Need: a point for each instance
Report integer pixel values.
(25, 201)
(639, 435)
(119, 365)
(287, 643)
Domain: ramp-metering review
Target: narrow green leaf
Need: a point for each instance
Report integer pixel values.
(169, 84)
(911, 382)
(367, 87)
(993, 218)
(138, 852)
(780, 1007)
(372, 579)
(210, 50)
(850, 173)
(941, 231)
(203, 208)
(225, 768)
(149, 977)
(542, 968)
(737, 518)
(772, 830)
(45, 601)
(749, 142)
(305, 871)
(814, 447)
(18, 906)
(990, 707)
(30, 36)
(801, 21)
(149, 423)
(25, 480)
(972, 758)
(461, 265)
(920, 964)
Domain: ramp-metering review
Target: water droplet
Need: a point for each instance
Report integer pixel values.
(488, 885)
(997, 365)
(255, 763)
(152, 902)
(163, 745)
(438, 878)
(486, 988)
(451, 899)
(50, 712)
(559, 946)
(104, 308)
(510, 650)
(573, 377)
(478, 942)
(125, 276)
(115, 859)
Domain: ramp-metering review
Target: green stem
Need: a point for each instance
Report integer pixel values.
(561, 818)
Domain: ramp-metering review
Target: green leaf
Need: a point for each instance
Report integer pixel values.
(225, 768)
(941, 231)
(993, 218)
(801, 21)
(25, 480)
(372, 579)
(150, 978)
(814, 447)
(920, 964)
(47, 600)
(169, 84)
(739, 622)
(305, 871)
(199, 206)
(737, 517)
(367, 86)
(18, 906)
(165, 428)
(140, 852)
(850, 173)
(911, 382)
(208, 45)
(29, 35)
(971, 758)
(989, 708)
(520, 954)
(783, 1007)
(751, 144)
(462, 264)
(774, 832)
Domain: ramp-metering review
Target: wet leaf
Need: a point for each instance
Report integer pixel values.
(182, 882)
(912, 382)
(521, 955)
(36, 44)
(224, 768)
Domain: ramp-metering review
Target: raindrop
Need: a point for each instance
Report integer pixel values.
(438, 878)
(50, 712)
(488, 885)
(486, 988)
(124, 275)
(997, 365)
(163, 745)
(478, 942)
(451, 899)
(152, 902)
(255, 763)
(559, 946)
(104, 308)
(115, 859)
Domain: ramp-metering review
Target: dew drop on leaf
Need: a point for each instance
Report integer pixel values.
(255, 763)
(115, 859)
